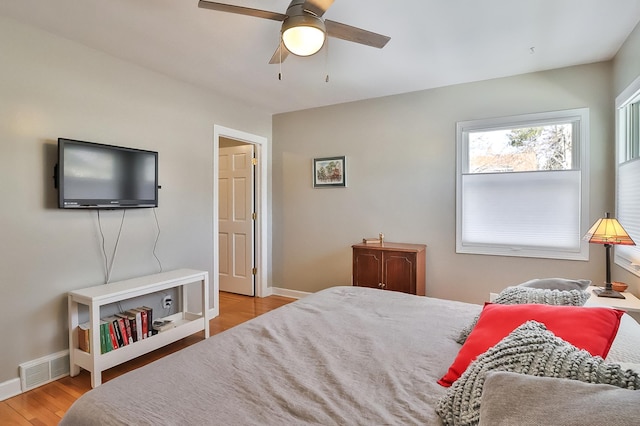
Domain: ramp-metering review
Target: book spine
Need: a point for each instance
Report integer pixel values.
(123, 331)
(134, 328)
(108, 346)
(145, 329)
(112, 334)
(134, 323)
(126, 335)
(138, 323)
(103, 337)
(116, 330)
(150, 330)
(129, 334)
(84, 337)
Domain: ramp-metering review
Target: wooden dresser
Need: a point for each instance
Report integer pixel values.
(390, 266)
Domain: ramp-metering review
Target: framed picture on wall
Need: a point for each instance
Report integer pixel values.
(329, 172)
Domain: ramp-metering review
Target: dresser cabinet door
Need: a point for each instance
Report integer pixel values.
(367, 268)
(399, 271)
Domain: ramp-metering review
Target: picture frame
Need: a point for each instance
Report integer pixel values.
(330, 172)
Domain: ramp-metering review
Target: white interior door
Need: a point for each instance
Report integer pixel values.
(235, 209)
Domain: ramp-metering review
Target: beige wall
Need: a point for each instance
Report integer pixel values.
(626, 68)
(50, 88)
(401, 180)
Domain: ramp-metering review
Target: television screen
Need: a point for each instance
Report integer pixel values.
(95, 176)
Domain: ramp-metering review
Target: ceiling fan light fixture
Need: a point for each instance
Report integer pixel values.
(303, 35)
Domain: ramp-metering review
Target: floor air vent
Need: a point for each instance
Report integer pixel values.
(44, 370)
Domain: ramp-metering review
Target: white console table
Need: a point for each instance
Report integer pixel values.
(186, 322)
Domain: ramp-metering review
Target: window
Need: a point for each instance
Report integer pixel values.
(522, 185)
(628, 174)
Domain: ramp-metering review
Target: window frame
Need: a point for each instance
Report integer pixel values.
(630, 95)
(580, 161)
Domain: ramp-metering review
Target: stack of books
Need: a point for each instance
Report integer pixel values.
(122, 329)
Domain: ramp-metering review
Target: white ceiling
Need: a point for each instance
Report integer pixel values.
(433, 43)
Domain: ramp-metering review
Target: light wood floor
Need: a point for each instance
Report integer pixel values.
(47, 404)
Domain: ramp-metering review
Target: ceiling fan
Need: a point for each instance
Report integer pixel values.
(304, 31)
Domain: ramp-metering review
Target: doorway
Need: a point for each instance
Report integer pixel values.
(240, 256)
(236, 215)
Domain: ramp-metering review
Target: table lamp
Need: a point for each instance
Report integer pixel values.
(608, 231)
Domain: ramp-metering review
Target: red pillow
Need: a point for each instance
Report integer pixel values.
(592, 329)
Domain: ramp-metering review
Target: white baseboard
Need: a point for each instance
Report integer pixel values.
(294, 294)
(10, 388)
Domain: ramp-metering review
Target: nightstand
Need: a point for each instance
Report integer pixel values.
(630, 303)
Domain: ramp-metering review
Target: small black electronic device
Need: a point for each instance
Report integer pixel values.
(96, 176)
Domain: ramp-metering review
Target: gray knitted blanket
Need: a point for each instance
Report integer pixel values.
(519, 295)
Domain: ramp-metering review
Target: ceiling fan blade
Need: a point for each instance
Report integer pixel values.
(317, 7)
(222, 7)
(280, 54)
(356, 35)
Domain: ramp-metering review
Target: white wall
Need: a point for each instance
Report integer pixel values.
(401, 180)
(49, 88)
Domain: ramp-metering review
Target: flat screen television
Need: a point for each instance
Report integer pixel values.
(96, 176)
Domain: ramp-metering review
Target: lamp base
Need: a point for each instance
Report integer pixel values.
(603, 292)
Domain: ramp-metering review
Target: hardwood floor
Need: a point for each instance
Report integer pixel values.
(47, 404)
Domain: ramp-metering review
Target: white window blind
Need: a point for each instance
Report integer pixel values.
(522, 210)
(628, 174)
(628, 212)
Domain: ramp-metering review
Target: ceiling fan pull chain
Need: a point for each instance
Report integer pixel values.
(280, 61)
(326, 59)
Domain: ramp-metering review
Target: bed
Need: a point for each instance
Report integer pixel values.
(345, 355)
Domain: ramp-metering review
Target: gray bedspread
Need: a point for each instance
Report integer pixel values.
(342, 356)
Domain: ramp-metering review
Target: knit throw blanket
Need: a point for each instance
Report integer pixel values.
(519, 295)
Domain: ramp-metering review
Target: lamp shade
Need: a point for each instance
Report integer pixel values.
(303, 35)
(608, 231)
